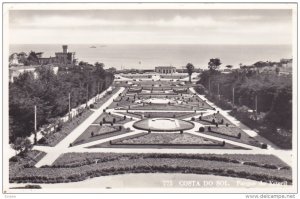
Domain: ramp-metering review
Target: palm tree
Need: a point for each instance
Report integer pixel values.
(190, 69)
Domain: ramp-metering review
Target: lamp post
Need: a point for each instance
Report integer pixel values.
(233, 95)
(87, 94)
(209, 85)
(219, 91)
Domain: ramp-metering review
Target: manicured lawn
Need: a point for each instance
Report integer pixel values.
(54, 138)
(109, 118)
(217, 117)
(100, 132)
(20, 161)
(232, 133)
(78, 159)
(100, 164)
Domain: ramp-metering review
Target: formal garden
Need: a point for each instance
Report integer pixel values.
(147, 114)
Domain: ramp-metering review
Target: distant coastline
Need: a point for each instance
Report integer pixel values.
(147, 56)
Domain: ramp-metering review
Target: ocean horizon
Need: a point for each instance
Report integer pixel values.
(147, 56)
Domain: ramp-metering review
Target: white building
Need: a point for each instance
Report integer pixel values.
(165, 69)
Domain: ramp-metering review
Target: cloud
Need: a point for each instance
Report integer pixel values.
(77, 22)
(175, 27)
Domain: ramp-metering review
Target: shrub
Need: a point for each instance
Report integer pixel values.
(264, 146)
(209, 129)
(120, 128)
(14, 159)
(114, 120)
(223, 143)
(193, 119)
(31, 186)
(181, 131)
(227, 124)
(217, 124)
(201, 129)
(92, 134)
(100, 123)
(222, 121)
(70, 145)
(200, 118)
(42, 141)
(124, 117)
(239, 135)
(92, 106)
(213, 121)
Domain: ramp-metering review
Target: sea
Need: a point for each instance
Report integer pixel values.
(148, 56)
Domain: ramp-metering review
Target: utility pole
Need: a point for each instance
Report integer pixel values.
(233, 95)
(209, 85)
(35, 125)
(69, 105)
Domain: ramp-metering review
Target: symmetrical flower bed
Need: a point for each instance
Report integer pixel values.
(111, 118)
(232, 133)
(167, 138)
(93, 133)
(217, 118)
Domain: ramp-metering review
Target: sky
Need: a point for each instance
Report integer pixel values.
(235, 27)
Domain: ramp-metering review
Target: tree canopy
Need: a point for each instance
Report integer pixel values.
(50, 92)
(214, 63)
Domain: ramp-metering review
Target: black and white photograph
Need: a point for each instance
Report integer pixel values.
(149, 98)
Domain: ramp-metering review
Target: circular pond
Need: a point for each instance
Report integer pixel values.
(163, 124)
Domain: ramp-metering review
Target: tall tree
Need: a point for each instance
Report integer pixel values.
(214, 64)
(190, 69)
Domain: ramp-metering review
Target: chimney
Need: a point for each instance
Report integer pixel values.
(65, 48)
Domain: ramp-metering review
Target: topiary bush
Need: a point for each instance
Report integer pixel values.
(201, 129)
(264, 146)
